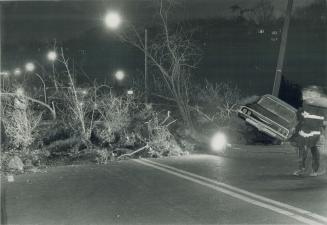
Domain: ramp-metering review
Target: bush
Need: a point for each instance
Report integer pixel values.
(21, 125)
(64, 147)
(127, 123)
(116, 116)
(55, 130)
(160, 141)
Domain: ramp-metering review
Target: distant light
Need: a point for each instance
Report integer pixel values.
(20, 91)
(52, 56)
(130, 92)
(120, 75)
(261, 31)
(218, 142)
(84, 92)
(30, 67)
(112, 20)
(5, 73)
(17, 72)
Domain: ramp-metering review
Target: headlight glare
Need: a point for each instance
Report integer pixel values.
(218, 142)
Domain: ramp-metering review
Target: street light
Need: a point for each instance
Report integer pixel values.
(112, 20)
(17, 72)
(5, 74)
(30, 67)
(52, 56)
(120, 75)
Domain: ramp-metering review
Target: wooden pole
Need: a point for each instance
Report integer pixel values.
(0, 34)
(282, 49)
(0, 48)
(146, 66)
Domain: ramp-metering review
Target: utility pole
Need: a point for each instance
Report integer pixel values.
(282, 49)
(146, 66)
(0, 53)
(0, 42)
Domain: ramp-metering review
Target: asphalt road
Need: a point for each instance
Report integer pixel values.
(197, 189)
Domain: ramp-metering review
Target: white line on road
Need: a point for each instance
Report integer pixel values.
(218, 187)
(261, 198)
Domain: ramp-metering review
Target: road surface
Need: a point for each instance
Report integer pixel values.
(196, 189)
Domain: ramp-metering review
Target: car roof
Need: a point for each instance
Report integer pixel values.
(279, 101)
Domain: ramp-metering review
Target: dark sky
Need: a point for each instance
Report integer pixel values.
(46, 20)
(64, 20)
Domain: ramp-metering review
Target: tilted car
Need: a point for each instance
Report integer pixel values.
(270, 115)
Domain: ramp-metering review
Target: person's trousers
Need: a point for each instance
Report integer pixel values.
(303, 153)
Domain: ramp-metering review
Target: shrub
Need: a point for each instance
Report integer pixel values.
(55, 130)
(64, 147)
(116, 116)
(160, 141)
(20, 124)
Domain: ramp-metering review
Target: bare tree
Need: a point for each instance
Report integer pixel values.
(219, 101)
(174, 55)
(79, 104)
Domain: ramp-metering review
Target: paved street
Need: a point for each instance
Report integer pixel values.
(196, 189)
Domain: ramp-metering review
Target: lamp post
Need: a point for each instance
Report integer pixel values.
(52, 57)
(146, 66)
(112, 21)
(30, 67)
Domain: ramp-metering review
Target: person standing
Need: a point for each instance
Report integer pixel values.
(310, 127)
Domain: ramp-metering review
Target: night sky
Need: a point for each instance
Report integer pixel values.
(66, 20)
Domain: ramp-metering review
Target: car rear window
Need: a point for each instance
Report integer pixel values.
(277, 108)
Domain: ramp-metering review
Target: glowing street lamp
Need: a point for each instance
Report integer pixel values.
(30, 67)
(52, 56)
(120, 75)
(112, 20)
(5, 74)
(84, 92)
(17, 72)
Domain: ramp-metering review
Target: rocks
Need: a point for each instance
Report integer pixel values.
(16, 164)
